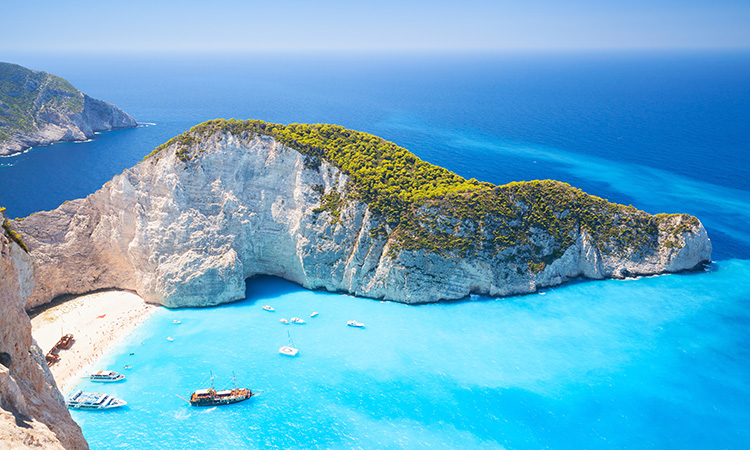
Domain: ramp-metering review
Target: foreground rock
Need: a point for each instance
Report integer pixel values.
(38, 108)
(32, 410)
(228, 201)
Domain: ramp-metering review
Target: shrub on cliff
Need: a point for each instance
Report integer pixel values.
(426, 207)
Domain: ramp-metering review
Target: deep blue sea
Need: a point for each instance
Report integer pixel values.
(659, 362)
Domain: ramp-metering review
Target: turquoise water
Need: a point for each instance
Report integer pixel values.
(656, 362)
(614, 364)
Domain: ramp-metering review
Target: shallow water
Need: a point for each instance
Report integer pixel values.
(650, 363)
(657, 362)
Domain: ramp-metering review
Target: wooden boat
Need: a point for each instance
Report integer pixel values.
(94, 400)
(65, 342)
(51, 358)
(212, 397)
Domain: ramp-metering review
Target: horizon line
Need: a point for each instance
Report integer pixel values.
(474, 50)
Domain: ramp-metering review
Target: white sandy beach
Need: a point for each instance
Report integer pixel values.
(122, 312)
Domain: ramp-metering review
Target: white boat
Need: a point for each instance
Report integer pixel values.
(297, 320)
(94, 400)
(176, 321)
(289, 350)
(268, 308)
(170, 339)
(106, 376)
(354, 323)
(315, 313)
(284, 321)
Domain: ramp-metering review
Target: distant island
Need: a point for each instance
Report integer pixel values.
(38, 108)
(341, 210)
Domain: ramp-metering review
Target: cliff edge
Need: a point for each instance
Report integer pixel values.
(32, 410)
(335, 209)
(38, 108)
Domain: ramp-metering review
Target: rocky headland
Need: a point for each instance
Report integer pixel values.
(335, 209)
(38, 108)
(32, 410)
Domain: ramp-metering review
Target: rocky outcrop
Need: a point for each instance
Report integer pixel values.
(38, 108)
(32, 410)
(188, 225)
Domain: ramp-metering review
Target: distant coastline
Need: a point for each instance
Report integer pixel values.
(39, 108)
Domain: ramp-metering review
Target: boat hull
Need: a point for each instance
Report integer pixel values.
(236, 396)
(218, 402)
(119, 404)
(94, 401)
(288, 351)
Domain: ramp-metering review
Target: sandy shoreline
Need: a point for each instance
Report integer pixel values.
(94, 335)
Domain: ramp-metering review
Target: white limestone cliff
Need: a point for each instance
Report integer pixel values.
(32, 410)
(189, 232)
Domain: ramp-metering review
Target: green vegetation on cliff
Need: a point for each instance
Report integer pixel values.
(28, 98)
(11, 233)
(424, 206)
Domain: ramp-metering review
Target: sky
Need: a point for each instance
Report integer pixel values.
(383, 25)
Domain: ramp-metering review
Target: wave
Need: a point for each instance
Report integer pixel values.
(16, 154)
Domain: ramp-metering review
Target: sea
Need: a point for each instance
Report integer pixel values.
(647, 363)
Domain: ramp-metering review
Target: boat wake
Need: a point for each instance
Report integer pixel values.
(182, 414)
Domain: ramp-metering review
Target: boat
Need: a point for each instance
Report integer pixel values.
(106, 376)
(52, 358)
(297, 320)
(289, 350)
(176, 321)
(315, 313)
(94, 400)
(268, 308)
(170, 339)
(284, 321)
(128, 367)
(212, 397)
(354, 323)
(65, 342)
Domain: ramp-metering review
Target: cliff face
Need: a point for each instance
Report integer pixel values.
(187, 226)
(32, 410)
(37, 108)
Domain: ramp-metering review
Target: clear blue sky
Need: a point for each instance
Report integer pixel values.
(85, 25)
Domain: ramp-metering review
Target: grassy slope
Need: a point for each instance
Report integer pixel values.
(423, 206)
(27, 97)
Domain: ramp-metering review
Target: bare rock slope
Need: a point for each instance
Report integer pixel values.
(32, 410)
(38, 108)
(310, 203)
